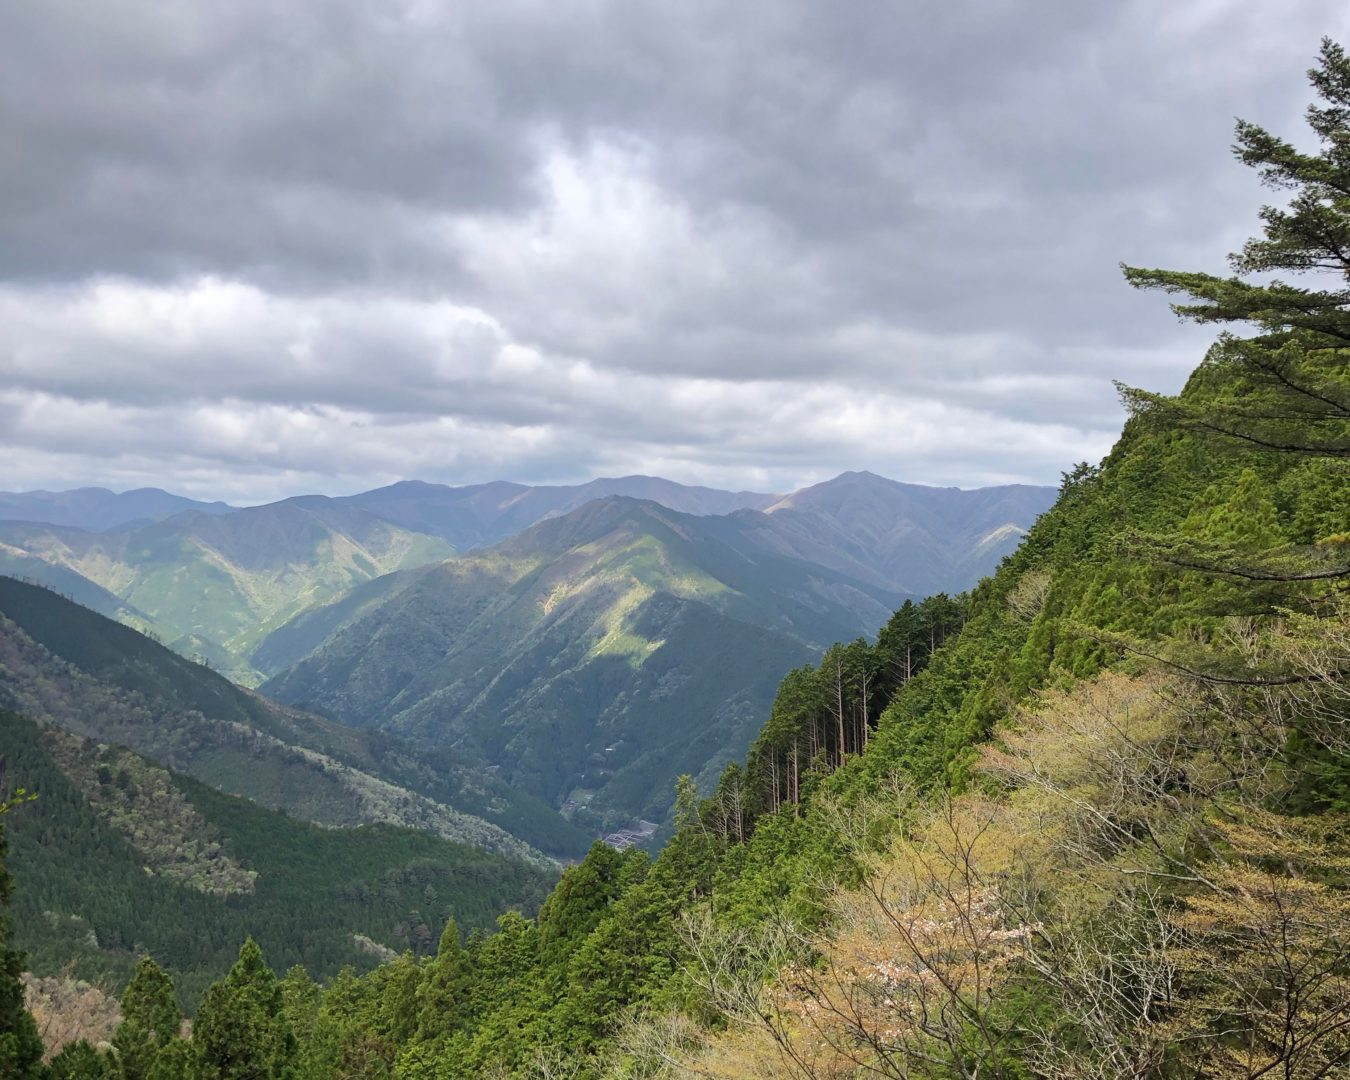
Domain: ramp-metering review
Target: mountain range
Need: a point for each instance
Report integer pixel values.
(98, 508)
(573, 644)
(590, 659)
(214, 580)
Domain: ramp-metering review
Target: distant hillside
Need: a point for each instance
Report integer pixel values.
(117, 856)
(908, 537)
(215, 585)
(97, 509)
(63, 665)
(17, 563)
(254, 591)
(483, 514)
(592, 658)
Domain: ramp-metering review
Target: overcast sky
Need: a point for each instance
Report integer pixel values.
(252, 249)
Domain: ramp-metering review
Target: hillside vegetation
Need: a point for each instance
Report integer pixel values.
(213, 585)
(593, 658)
(1087, 821)
(116, 857)
(65, 666)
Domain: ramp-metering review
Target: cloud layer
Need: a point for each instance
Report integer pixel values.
(248, 249)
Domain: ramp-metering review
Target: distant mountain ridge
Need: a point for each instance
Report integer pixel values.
(483, 514)
(591, 658)
(910, 537)
(254, 590)
(214, 585)
(97, 509)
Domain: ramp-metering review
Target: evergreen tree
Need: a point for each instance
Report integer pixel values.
(1285, 388)
(79, 1060)
(241, 1031)
(301, 999)
(177, 1061)
(1282, 389)
(446, 989)
(150, 1020)
(398, 1008)
(20, 1045)
(577, 904)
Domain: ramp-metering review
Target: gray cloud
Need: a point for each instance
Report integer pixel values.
(250, 249)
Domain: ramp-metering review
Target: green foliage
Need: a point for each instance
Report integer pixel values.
(241, 1031)
(444, 994)
(85, 898)
(20, 1046)
(150, 1020)
(81, 1061)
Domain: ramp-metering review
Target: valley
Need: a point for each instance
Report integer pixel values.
(352, 752)
(548, 637)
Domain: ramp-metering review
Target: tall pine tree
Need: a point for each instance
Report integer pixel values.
(1284, 387)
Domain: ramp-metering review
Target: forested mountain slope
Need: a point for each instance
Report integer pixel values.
(216, 584)
(66, 666)
(592, 658)
(117, 856)
(1086, 821)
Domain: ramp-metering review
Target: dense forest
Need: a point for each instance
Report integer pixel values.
(1088, 820)
(157, 862)
(63, 665)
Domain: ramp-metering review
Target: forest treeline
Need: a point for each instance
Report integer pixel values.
(1089, 820)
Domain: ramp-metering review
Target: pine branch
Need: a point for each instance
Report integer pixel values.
(1288, 564)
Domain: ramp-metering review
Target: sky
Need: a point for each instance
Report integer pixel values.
(250, 249)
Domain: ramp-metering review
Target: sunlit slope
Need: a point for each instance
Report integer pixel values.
(216, 585)
(591, 659)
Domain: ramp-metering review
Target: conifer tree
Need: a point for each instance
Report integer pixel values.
(1285, 388)
(1281, 387)
(150, 1020)
(241, 1031)
(446, 990)
(20, 1045)
(79, 1060)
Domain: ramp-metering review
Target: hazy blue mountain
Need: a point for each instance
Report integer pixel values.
(907, 537)
(482, 514)
(591, 658)
(96, 508)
